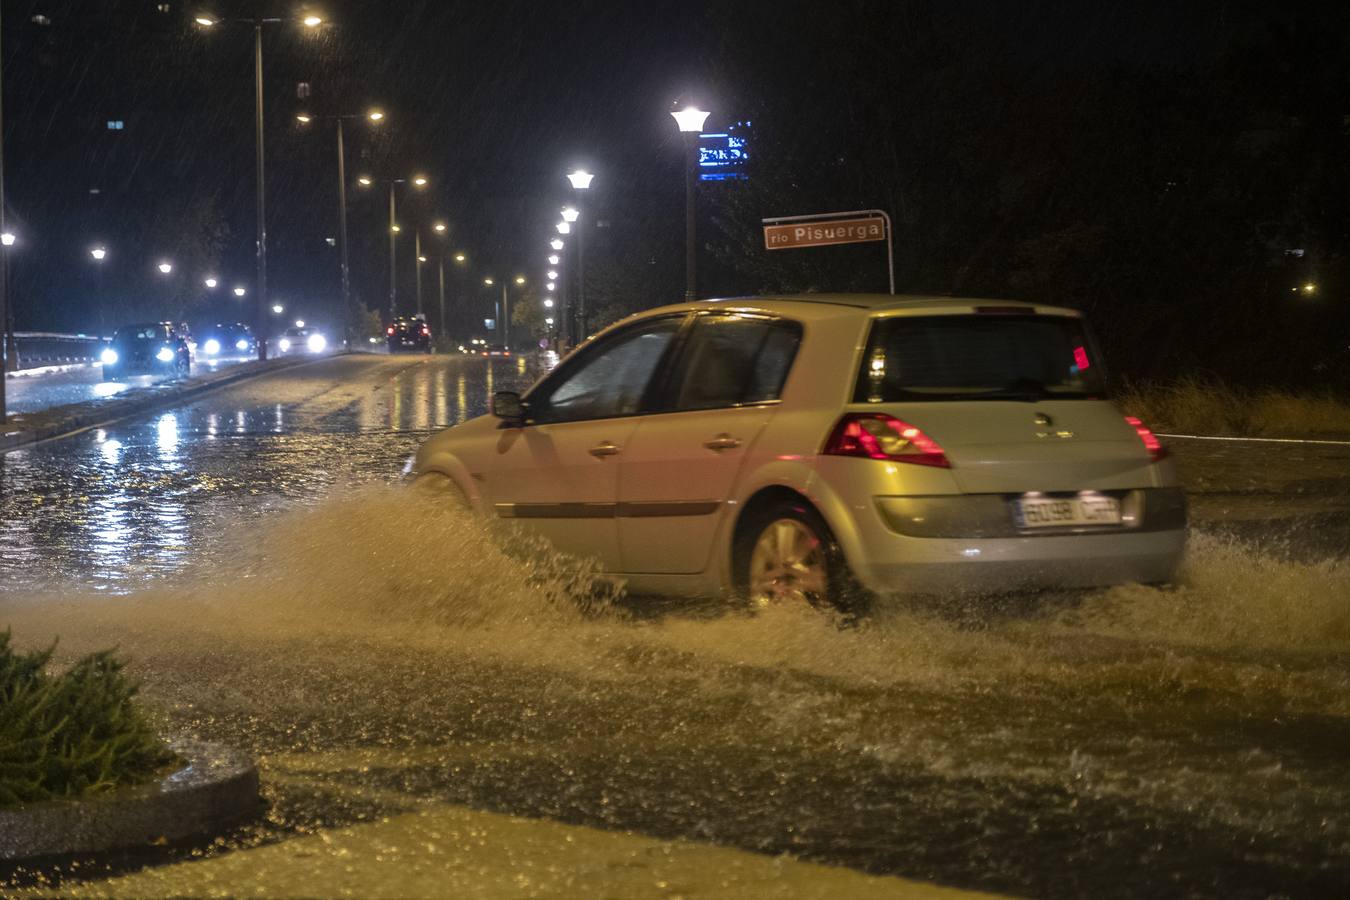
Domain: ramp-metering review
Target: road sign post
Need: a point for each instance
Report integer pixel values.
(827, 229)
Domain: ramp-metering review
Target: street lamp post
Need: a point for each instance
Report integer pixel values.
(690, 121)
(581, 182)
(99, 254)
(441, 228)
(375, 116)
(417, 255)
(418, 181)
(208, 21)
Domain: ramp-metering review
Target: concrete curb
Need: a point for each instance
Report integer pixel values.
(66, 420)
(216, 789)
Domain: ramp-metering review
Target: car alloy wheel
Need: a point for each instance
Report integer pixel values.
(788, 565)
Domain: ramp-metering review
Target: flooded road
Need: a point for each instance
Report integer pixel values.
(275, 588)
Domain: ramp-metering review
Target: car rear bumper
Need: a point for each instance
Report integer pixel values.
(926, 545)
(943, 566)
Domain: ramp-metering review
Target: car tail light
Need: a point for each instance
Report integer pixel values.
(391, 330)
(1151, 443)
(879, 436)
(426, 330)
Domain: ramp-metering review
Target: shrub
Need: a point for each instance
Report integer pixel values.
(70, 734)
(1203, 405)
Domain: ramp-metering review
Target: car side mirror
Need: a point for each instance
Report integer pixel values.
(507, 406)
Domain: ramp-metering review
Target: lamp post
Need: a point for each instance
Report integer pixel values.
(441, 229)
(690, 121)
(417, 181)
(99, 254)
(505, 315)
(581, 182)
(209, 21)
(375, 116)
(417, 251)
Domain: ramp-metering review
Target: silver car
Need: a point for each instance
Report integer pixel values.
(829, 449)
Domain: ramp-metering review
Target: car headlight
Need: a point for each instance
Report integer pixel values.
(212, 347)
(285, 344)
(108, 356)
(241, 344)
(316, 343)
(165, 354)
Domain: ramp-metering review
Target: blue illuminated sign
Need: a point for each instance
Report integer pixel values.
(721, 156)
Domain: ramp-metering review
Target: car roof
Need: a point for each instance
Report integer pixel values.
(829, 306)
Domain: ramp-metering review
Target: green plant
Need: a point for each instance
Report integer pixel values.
(70, 734)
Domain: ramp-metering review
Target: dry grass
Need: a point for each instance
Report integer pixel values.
(1206, 406)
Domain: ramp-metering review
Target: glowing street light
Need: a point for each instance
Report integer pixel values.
(520, 279)
(581, 179)
(564, 228)
(548, 303)
(570, 214)
(210, 282)
(552, 275)
(375, 115)
(278, 309)
(312, 21)
(421, 259)
(365, 181)
(1310, 288)
(557, 243)
(8, 238)
(553, 259)
(241, 291)
(99, 253)
(489, 282)
(165, 267)
(304, 118)
(552, 286)
(690, 121)
(419, 181)
(299, 323)
(439, 227)
(461, 258)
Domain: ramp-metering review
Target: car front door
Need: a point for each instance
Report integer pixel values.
(682, 463)
(559, 473)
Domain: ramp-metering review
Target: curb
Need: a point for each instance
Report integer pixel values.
(216, 789)
(83, 416)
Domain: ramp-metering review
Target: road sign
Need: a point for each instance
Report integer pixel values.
(857, 226)
(822, 234)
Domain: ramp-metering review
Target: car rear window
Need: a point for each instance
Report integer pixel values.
(979, 357)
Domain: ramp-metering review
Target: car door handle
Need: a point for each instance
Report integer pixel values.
(722, 442)
(603, 449)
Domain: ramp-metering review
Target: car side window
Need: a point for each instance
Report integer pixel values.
(733, 360)
(610, 379)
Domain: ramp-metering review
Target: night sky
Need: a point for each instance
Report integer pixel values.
(495, 102)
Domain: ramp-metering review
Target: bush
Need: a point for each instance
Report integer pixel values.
(1199, 405)
(70, 734)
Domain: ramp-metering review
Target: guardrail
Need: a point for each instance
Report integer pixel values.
(33, 349)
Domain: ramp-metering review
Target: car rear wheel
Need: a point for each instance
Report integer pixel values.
(787, 555)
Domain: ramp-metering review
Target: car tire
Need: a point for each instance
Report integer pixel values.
(786, 553)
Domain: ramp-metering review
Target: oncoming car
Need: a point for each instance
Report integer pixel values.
(227, 341)
(154, 348)
(830, 449)
(301, 340)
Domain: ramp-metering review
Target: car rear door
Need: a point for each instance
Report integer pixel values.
(682, 463)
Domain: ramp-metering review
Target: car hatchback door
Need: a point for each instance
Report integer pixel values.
(682, 464)
(560, 472)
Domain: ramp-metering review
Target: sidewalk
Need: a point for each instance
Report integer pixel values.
(447, 851)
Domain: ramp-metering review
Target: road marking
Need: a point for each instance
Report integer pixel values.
(1203, 437)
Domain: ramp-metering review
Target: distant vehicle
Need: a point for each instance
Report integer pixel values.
(495, 350)
(232, 340)
(409, 334)
(297, 340)
(830, 450)
(156, 348)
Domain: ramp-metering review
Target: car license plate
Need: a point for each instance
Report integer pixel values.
(1050, 511)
